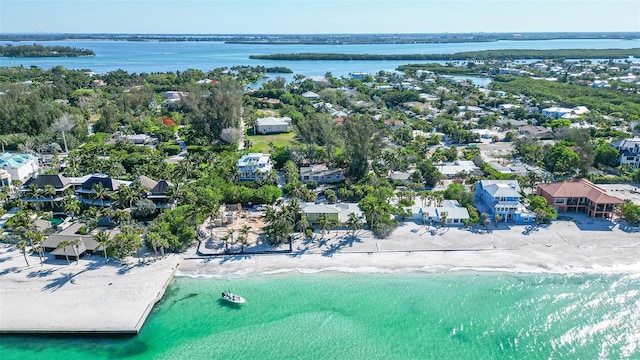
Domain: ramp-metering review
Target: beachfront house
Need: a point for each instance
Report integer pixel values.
(21, 167)
(502, 197)
(254, 166)
(450, 211)
(88, 245)
(579, 195)
(338, 212)
(273, 125)
(160, 194)
(49, 190)
(629, 150)
(106, 185)
(321, 174)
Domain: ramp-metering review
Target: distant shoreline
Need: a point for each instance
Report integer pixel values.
(507, 54)
(329, 39)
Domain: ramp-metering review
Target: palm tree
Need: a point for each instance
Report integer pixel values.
(100, 192)
(71, 206)
(353, 223)
(302, 224)
(120, 217)
(324, 223)
(50, 191)
(22, 245)
(163, 243)
(245, 230)
(102, 238)
(242, 239)
(443, 218)
(497, 218)
(36, 239)
(76, 248)
(63, 244)
(126, 196)
(225, 240)
(34, 192)
(231, 233)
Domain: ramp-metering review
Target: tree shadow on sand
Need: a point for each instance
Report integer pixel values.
(238, 257)
(41, 273)
(64, 279)
(14, 269)
(345, 242)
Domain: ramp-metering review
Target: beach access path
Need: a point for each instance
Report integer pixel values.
(91, 297)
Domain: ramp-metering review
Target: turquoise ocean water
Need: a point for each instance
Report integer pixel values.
(375, 316)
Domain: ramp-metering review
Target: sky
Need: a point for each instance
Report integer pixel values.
(316, 16)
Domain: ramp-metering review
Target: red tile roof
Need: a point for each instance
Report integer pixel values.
(580, 188)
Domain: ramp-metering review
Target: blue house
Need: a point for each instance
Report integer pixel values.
(502, 197)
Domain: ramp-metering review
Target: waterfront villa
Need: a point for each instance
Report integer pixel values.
(20, 166)
(57, 183)
(502, 197)
(579, 195)
(629, 151)
(321, 174)
(339, 212)
(160, 195)
(254, 166)
(273, 125)
(87, 194)
(88, 246)
(450, 210)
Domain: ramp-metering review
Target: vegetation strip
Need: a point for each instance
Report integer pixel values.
(507, 54)
(36, 50)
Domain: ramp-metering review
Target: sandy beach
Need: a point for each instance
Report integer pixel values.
(582, 245)
(88, 297)
(92, 296)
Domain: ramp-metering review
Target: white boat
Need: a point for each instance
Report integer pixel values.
(233, 298)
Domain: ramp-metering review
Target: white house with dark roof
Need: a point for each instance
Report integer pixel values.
(20, 166)
(272, 125)
(629, 151)
(254, 166)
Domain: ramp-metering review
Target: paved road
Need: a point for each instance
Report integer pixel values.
(183, 151)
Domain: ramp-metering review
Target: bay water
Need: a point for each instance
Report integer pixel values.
(328, 315)
(138, 57)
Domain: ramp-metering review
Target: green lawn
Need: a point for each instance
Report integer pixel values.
(261, 142)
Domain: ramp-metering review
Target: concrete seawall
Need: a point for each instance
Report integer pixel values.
(88, 297)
